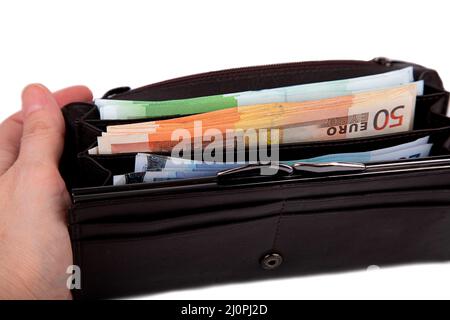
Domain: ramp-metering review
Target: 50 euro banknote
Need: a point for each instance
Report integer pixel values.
(360, 115)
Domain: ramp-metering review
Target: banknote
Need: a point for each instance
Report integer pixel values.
(415, 152)
(154, 162)
(124, 109)
(360, 115)
(153, 168)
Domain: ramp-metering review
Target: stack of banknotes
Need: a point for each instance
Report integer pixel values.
(154, 168)
(334, 110)
(345, 109)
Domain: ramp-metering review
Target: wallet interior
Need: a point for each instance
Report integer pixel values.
(84, 124)
(158, 236)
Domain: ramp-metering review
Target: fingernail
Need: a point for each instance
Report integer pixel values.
(34, 98)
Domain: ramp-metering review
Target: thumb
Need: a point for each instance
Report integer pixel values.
(43, 127)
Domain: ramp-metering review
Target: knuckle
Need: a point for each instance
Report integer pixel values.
(39, 126)
(44, 131)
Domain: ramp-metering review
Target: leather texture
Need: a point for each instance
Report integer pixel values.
(148, 238)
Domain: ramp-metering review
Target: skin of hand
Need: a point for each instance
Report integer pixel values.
(35, 249)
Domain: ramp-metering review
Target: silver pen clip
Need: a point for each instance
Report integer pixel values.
(256, 170)
(284, 170)
(329, 167)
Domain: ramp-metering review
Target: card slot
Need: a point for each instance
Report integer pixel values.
(358, 238)
(360, 201)
(178, 202)
(176, 223)
(170, 222)
(139, 210)
(193, 223)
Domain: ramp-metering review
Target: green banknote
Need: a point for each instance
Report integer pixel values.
(124, 109)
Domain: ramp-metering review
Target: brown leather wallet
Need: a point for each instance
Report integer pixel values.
(142, 238)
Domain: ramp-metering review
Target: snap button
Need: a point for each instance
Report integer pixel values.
(271, 261)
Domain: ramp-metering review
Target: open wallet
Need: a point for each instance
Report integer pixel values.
(240, 225)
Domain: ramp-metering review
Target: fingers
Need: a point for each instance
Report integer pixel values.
(43, 127)
(10, 134)
(72, 94)
(11, 128)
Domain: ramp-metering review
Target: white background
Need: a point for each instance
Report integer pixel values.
(106, 44)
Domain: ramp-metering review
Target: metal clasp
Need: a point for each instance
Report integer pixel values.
(256, 170)
(284, 170)
(329, 167)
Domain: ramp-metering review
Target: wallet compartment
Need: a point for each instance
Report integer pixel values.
(154, 237)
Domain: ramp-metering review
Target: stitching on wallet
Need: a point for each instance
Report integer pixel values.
(328, 212)
(277, 229)
(96, 167)
(376, 194)
(91, 128)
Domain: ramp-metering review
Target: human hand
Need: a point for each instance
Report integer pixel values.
(35, 249)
